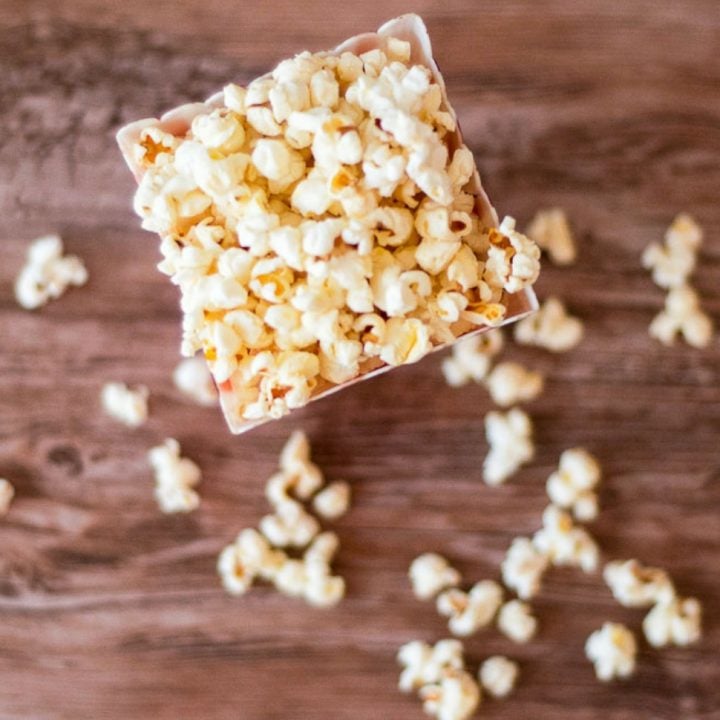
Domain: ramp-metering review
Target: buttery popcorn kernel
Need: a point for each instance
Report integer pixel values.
(565, 543)
(332, 502)
(47, 273)
(516, 621)
(523, 568)
(127, 406)
(7, 493)
(551, 231)
(550, 328)
(673, 262)
(682, 316)
(634, 585)
(273, 201)
(455, 696)
(510, 438)
(424, 664)
(572, 486)
(673, 621)
(498, 675)
(175, 478)
(612, 650)
(430, 573)
(510, 383)
(468, 612)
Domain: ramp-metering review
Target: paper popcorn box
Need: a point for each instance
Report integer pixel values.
(412, 29)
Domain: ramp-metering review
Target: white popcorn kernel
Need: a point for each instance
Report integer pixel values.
(455, 697)
(291, 578)
(550, 328)
(468, 612)
(7, 493)
(261, 119)
(675, 621)
(682, 314)
(288, 97)
(510, 438)
(127, 406)
(434, 255)
(612, 650)
(47, 273)
(674, 261)
(424, 664)
(289, 525)
(175, 478)
(318, 238)
(572, 485)
(406, 341)
(311, 195)
(430, 573)
(565, 543)
(516, 621)
(277, 161)
(523, 567)
(471, 358)
(219, 131)
(510, 383)
(234, 98)
(193, 379)
(461, 167)
(324, 89)
(332, 502)
(154, 147)
(551, 231)
(349, 67)
(464, 269)
(397, 50)
(634, 585)
(498, 675)
(513, 259)
(373, 61)
(248, 557)
(324, 590)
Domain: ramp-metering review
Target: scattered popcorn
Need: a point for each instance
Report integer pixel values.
(47, 273)
(468, 612)
(175, 478)
(430, 573)
(612, 650)
(333, 189)
(523, 568)
(471, 358)
(498, 675)
(322, 588)
(510, 437)
(673, 263)
(550, 328)
(675, 621)
(7, 493)
(193, 379)
(551, 231)
(249, 557)
(424, 664)
(455, 697)
(289, 525)
(572, 485)
(683, 315)
(332, 502)
(125, 405)
(516, 621)
(634, 585)
(565, 543)
(510, 383)
(297, 472)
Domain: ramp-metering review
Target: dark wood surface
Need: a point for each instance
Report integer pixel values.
(110, 610)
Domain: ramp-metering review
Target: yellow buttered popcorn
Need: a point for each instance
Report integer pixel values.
(334, 188)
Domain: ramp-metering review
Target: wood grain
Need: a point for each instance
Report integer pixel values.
(110, 610)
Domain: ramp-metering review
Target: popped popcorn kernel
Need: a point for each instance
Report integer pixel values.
(510, 383)
(289, 525)
(424, 664)
(682, 315)
(565, 543)
(634, 585)
(612, 650)
(47, 273)
(455, 696)
(333, 501)
(523, 568)
(551, 231)
(673, 262)
(470, 359)
(498, 675)
(193, 379)
(510, 438)
(673, 621)
(430, 573)
(127, 406)
(175, 478)
(470, 611)
(572, 486)
(7, 493)
(249, 557)
(516, 621)
(550, 328)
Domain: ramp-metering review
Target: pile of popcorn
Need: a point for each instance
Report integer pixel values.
(671, 265)
(265, 553)
(317, 224)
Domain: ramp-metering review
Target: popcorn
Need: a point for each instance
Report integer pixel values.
(125, 405)
(7, 493)
(510, 383)
(683, 315)
(47, 273)
(612, 650)
(247, 558)
(498, 675)
(175, 478)
(471, 358)
(303, 475)
(550, 328)
(274, 200)
(289, 525)
(468, 612)
(565, 543)
(516, 621)
(430, 573)
(675, 621)
(322, 589)
(510, 438)
(551, 231)
(332, 502)
(572, 485)
(455, 697)
(424, 664)
(673, 263)
(634, 585)
(193, 379)
(523, 568)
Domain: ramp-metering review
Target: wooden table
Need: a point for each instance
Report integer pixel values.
(111, 610)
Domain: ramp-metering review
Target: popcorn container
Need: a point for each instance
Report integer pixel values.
(409, 28)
